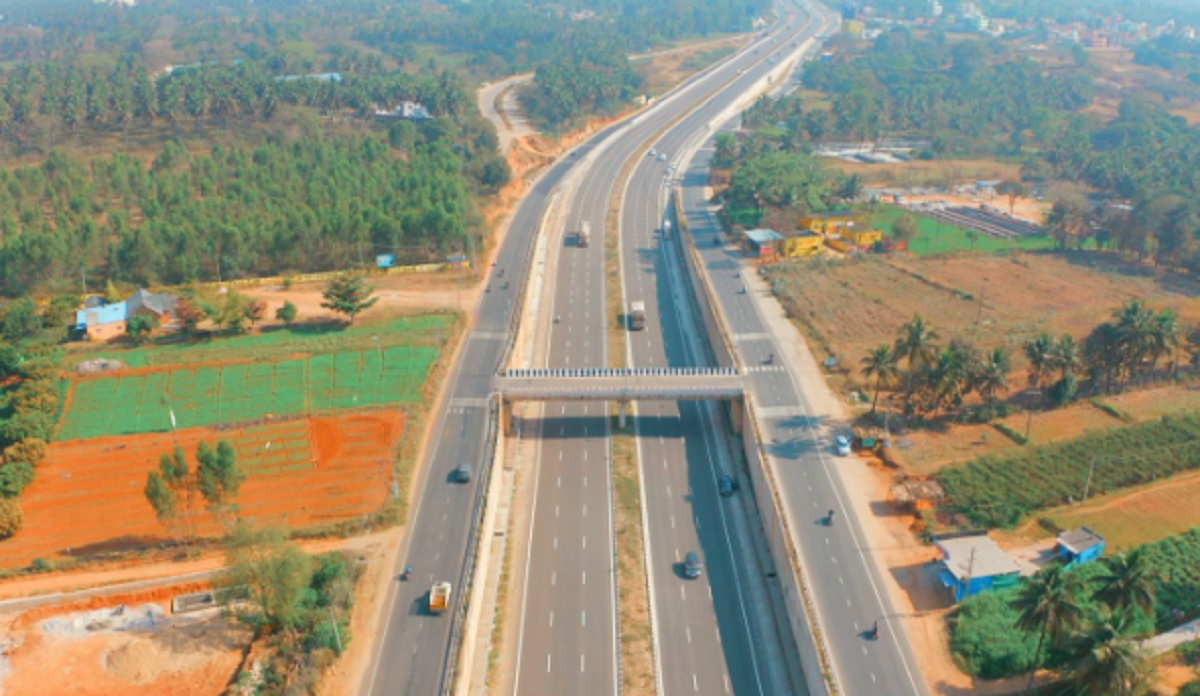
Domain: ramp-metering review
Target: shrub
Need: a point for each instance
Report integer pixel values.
(14, 478)
(1063, 391)
(1189, 653)
(985, 640)
(26, 425)
(998, 491)
(32, 451)
(1191, 688)
(11, 517)
(1010, 433)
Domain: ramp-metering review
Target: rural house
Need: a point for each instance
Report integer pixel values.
(973, 563)
(1080, 546)
(100, 321)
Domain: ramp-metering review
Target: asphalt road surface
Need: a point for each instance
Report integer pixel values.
(846, 584)
(413, 652)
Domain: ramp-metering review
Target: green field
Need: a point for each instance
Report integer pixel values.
(937, 237)
(421, 330)
(211, 394)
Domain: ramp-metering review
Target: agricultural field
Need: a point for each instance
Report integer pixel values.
(1126, 519)
(993, 300)
(939, 237)
(234, 393)
(87, 497)
(1000, 491)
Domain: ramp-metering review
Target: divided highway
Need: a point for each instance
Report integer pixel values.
(845, 583)
(567, 632)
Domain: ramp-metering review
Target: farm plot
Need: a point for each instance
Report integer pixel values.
(200, 396)
(991, 300)
(87, 498)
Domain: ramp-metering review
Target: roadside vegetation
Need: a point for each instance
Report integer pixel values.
(637, 634)
(299, 605)
(1082, 622)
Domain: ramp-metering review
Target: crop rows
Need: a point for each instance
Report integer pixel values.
(1000, 491)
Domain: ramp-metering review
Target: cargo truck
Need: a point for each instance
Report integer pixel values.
(637, 316)
(439, 597)
(584, 235)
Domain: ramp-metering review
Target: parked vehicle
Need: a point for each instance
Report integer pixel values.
(842, 443)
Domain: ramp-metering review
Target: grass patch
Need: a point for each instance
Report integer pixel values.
(501, 606)
(298, 339)
(637, 640)
(939, 237)
(1010, 433)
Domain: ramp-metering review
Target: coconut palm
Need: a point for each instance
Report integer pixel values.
(1134, 328)
(1128, 584)
(991, 375)
(883, 365)
(1111, 665)
(1165, 337)
(1049, 604)
(917, 343)
(1066, 356)
(1040, 352)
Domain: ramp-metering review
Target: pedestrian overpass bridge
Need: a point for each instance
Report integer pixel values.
(622, 386)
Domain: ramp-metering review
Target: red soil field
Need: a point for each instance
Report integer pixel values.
(87, 497)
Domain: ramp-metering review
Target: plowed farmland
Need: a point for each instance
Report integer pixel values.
(87, 497)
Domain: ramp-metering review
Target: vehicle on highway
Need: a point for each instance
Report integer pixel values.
(462, 473)
(692, 568)
(662, 157)
(842, 444)
(439, 597)
(637, 316)
(653, 152)
(727, 485)
(583, 236)
(716, 240)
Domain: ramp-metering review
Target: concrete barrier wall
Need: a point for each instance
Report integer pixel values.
(817, 673)
(718, 338)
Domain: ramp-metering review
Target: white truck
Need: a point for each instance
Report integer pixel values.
(637, 316)
(583, 236)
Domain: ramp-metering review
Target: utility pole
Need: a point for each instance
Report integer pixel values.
(1087, 486)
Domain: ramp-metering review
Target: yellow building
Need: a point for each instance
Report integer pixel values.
(799, 243)
(831, 224)
(863, 238)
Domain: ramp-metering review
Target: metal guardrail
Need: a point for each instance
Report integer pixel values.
(467, 574)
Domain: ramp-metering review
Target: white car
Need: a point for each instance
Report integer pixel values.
(662, 157)
(842, 444)
(653, 152)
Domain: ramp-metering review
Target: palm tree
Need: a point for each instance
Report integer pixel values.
(1110, 664)
(883, 365)
(1049, 603)
(1067, 357)
(992, 375)
(1127, 584)
(1165, 337)
(1135, 326)
(915, 346)
(1040, 352)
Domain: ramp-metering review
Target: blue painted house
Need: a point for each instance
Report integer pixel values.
(1078, 546)
(973, 563)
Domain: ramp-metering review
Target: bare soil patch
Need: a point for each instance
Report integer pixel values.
(922, 173)
(87, 499)
(93, 648)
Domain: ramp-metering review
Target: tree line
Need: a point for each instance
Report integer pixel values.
(589, 74)
(1136, 346)
(312, 205)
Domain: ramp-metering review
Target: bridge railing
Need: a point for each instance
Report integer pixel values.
(610, 372)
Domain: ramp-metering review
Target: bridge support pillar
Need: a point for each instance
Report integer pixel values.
(737, 408)
(506, 417)
(622, 410)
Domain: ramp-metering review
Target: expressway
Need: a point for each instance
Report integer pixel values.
(702, 645)
(575, 653)
(847, 586)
